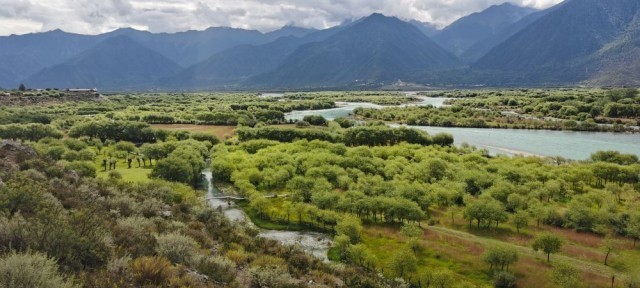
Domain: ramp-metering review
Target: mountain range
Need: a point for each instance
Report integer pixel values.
(577, 42)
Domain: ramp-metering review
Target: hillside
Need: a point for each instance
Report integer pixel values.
(25, 55)
(618, 63)
(117, 63)
(426, 28)
(482, 47)
(469, 30)
(232, 66)
(559, 44)
(371, 51)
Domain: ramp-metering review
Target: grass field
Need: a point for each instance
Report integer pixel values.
(135, 174)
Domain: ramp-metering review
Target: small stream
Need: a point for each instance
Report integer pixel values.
(314, 243)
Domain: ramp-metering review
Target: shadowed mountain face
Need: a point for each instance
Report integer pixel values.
(426, 28)
(470, 30)
(27, 54)
(116, 63)
(237, 64)
(563, 43)
(481, 48)
(373, 50)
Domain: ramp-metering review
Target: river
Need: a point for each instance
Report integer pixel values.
(567, 144)
(317, 244)
(344, 109)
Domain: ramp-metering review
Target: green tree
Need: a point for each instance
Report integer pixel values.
(609, 246)
(633, 227)
(414, 233)
(500, 257)
(411, 230)
(547, 243)
(22, 88)
(442, 279)
(565, 276)
(403, 263)
(504, 280)
(520, 220)
(351, 227)
(301, 188)
(342, 243)
(485, 211)
(173, 169)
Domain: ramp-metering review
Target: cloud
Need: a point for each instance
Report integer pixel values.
(93, 17)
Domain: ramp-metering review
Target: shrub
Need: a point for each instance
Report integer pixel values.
(84, 169)
(204, 137)
(30, 270)
(151, 270)
(177, 248)
(86, 155)
(114, 175)
(271, 277)
(134, 235)
(218, 269)
(74, 144)
(315, 120)
(504, 280)
(125, 146)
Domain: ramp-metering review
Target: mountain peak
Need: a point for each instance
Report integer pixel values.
(376, 49)
(379, 16)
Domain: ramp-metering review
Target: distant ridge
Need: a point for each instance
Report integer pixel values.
(373, 50)
(577, 42)
(116, 63)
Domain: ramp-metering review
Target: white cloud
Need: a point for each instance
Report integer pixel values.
(92, 17)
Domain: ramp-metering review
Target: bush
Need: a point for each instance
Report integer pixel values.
(151, 270)
(204, 137)
(315, 120)
(74, 144)
(114, 175)
(177, 248)
(55, 153)
(125, 146)
(302, 124)
(173, 169)
(30, 270)
(271, 277)
(84, 169)
(134, 235)
(504, 280)
(218, 269)
(86, 155)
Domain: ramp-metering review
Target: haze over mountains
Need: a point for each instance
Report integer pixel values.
(576, 42)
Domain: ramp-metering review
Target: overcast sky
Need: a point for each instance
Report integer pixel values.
(99, 16)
